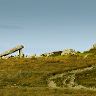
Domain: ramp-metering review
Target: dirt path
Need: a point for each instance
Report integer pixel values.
(68, 79)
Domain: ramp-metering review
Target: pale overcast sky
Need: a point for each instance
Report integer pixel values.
(47, 25)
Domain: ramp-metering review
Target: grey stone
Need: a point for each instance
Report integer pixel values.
(68, 51)
(10, 51)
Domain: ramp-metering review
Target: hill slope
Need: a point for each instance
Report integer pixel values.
(30, 77)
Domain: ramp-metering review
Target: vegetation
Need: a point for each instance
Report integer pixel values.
(89, 78)
(29, 76)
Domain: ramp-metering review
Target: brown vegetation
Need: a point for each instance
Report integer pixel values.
(28, 76)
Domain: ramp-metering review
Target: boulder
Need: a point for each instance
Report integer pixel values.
(94, 46)
(68, 51)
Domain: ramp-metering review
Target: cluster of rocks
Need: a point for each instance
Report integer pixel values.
(58, 53)
(68, 51)
(94, 46)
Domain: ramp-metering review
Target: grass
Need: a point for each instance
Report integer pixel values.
(44, 92)
(87, 78)
(28, 76)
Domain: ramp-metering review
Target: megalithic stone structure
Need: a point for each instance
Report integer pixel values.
(10, 51)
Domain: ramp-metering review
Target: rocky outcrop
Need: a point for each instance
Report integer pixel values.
(68, 51)
(55, 53)
(94, 46)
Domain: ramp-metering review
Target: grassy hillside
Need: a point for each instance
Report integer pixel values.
(29, 76)
(87, 79)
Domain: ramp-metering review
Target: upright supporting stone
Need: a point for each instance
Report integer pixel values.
(20, 53)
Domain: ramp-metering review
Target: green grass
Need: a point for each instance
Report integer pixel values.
(43, 92)
(28, 77)
(87, 78)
